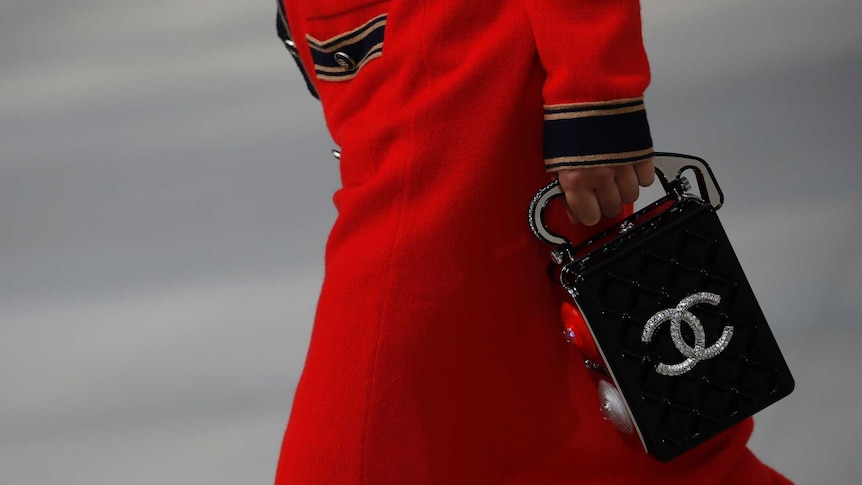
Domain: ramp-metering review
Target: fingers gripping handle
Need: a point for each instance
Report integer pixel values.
(669, 168)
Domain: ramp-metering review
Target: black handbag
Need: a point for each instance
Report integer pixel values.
(665, 318)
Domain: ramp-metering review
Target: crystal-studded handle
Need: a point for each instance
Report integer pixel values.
(666, 165)
(537, 210)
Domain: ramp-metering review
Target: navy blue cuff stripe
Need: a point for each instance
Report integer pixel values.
(596, 140)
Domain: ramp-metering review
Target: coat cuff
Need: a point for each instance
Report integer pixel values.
(596, 134)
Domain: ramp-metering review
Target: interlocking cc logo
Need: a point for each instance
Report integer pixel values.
(677, 316)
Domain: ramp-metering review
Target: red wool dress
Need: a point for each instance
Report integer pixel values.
(437, 355)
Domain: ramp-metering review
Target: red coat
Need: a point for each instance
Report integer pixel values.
(437, 355)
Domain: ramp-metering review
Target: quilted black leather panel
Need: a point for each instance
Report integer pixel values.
(652, 268)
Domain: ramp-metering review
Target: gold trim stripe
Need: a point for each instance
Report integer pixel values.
(371, 26)
(592, 104)
(595, 160)
(569, 115)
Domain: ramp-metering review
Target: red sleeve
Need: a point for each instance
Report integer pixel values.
(597, 71)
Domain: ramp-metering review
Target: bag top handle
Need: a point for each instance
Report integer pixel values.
(668, 167)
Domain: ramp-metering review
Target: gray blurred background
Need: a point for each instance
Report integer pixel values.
(165, 194)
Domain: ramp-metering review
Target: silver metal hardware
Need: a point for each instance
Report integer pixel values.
(291, 47)
(559, 256)
(677, 316)
(686, 185)
(345, 61)
(537, 209)
(626, 227)
(336, 154)
(669, 167)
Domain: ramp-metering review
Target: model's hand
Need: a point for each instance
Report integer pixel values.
(597, 191)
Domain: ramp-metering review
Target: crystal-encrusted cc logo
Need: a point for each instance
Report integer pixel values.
(677, 316)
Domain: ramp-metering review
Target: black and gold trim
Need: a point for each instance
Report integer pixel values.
(595, 134)
(341, 57)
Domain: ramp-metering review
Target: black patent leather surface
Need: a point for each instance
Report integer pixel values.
(651, 267)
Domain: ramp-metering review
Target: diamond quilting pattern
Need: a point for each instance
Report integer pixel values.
(621, 291)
